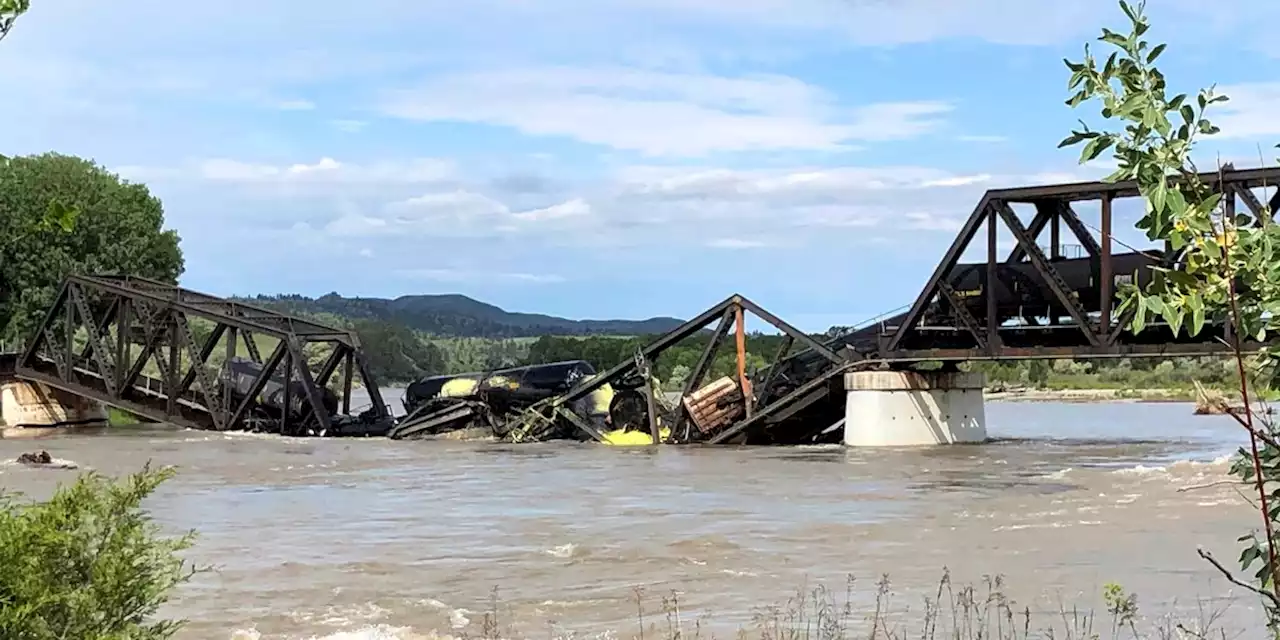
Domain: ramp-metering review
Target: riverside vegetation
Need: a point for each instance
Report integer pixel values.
(88, 563)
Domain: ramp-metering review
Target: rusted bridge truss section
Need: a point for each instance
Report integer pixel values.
(1033, 303)
(775, 407)
(152, 349)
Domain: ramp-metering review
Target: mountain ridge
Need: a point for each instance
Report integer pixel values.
(457, 315)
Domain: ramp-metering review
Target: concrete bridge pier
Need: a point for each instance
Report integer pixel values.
(913, 408)
(29, 408)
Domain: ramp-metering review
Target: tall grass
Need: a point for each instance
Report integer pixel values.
(950, 612)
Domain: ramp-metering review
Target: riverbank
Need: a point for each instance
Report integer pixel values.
(1022, 394)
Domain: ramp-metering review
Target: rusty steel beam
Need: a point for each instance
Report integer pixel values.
(84, 345)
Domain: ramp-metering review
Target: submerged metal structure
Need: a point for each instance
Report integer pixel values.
(786, 403)
(102, 333)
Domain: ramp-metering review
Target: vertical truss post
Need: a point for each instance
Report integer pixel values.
(700, 371)
(287, 409)
(993, 312)
(233, 340)
(1104, 305)
(319, 414)
(347, 364)
(124, 346)
(1055, 234)
(69, 343)
(740, 338)
(783, 350)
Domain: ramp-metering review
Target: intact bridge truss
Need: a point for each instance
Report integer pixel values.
(150, 348)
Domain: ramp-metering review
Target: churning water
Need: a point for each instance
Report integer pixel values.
(378, 539)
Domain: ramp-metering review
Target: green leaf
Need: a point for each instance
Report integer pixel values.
(1128, 11)
(1095, 148)
(1196, 304)
(1188, 114)
(1155, 53)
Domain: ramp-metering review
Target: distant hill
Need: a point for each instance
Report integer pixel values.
(456, 315)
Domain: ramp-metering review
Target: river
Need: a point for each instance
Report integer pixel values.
(363, 539)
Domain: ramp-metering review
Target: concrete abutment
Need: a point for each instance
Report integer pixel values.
(30, 407)
(913, 408)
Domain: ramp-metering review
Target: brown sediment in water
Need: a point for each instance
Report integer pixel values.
(315, 538)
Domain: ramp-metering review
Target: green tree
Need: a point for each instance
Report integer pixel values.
(88, 563)
(1231, 262)
(396, 354)
(9, 12)
(119, 228)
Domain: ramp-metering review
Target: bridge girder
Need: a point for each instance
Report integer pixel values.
(102, 333)
(1077, 297)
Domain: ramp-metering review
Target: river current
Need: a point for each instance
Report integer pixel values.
(360, 539)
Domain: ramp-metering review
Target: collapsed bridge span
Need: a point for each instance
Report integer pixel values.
(172, 355)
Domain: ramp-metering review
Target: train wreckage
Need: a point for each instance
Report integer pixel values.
(624, 405)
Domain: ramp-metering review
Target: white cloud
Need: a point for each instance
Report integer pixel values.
(296, 105)
(932, 222)
(349, 126)
(736, 243)
(568, 209)
(1249, 113)
(326, 171)
(454, 275)
(659, 113)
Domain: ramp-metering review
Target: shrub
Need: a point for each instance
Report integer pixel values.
(88, 563)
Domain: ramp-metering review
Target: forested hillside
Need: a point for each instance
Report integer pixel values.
(455, 315)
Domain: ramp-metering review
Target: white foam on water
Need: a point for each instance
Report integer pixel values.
(567, 550)
(370, 632)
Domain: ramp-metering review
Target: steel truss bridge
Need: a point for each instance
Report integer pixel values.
(133, 343)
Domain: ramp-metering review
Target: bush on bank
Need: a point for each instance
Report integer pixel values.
(88, 563)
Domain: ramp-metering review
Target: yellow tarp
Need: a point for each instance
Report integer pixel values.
(622, 438)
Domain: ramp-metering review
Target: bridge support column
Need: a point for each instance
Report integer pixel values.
(913, 408)
(29, 404)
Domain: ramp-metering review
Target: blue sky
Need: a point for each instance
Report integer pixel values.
(607, 158)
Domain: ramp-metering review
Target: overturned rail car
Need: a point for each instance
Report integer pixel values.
(489, 400)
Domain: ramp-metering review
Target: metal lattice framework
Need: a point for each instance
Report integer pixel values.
(765, 405)
(1075, 313)
(102, 333)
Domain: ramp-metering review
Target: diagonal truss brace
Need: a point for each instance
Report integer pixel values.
(1042, 265)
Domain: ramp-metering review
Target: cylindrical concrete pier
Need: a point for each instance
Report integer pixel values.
(913, 408)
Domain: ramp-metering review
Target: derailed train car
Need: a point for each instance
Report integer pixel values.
(487, 400)
(269, 408)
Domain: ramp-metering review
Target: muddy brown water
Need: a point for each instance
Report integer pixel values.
(377, 539)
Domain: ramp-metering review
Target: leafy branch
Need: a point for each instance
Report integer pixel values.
(1219, 266)
(9, 12)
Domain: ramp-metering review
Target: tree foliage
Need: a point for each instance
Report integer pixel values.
(9, 12)
(119, 228)
(88, 563)
(1230, 262)
(396, 353)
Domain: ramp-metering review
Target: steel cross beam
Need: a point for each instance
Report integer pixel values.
(103, 334)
